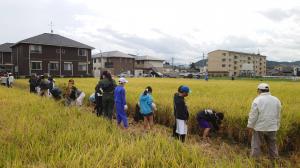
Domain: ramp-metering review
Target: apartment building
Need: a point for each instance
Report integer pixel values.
(232, 63)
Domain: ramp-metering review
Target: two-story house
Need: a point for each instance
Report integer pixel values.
(6, 59)
(114, 61)
(148, 64)
(52, 54)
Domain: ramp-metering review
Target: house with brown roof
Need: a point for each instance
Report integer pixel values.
(53, 54)
(6, 59)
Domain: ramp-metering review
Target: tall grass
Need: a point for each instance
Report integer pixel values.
(37, 132)
(231, 97)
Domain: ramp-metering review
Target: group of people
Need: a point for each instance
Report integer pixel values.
(263, 122)
(7, 80)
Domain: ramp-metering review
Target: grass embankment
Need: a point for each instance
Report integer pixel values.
(37, 132)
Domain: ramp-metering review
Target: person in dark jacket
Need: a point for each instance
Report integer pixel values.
(181, 112)
(32, 83)
(44, 86)
(107, 85)
(209, 119)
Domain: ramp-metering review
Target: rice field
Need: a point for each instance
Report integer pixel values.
(80, 137)
(38, 132)
(234, 98)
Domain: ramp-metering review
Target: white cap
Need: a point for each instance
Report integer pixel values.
(123, 80)
(263, 86)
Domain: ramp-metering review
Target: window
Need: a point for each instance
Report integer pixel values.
(224, 54)
(229, 59)
(99, 60)
(224, 59)
(82, 52)
(95, 60)
(95, 68)
(235, 57)
(68, 66)
(62, 51)
(235, 62)
(249, 58)
(223, 65)
(82, 66)
(109, 65)
(36, 65)
(35, 49)
(229, 65)
(234, 67)
(53, 66)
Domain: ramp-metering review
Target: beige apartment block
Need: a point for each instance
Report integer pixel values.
(232, 63)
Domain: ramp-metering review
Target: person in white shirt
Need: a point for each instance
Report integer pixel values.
(264, 122)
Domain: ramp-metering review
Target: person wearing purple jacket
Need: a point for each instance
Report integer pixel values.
(120, 101)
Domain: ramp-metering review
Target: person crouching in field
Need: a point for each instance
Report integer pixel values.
(44, 86)
(264, 122)
(209, 119)
(73, 96)
(120, 101)
(181, 112)
(147, 107)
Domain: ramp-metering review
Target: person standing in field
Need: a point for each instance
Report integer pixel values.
(32, 83)
(264, 122)
(181, 113)
(147, 107)
(120, 100)
(107, 84)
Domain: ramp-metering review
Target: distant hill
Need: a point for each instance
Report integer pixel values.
(270, 64)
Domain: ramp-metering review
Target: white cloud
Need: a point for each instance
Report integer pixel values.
(168, 28)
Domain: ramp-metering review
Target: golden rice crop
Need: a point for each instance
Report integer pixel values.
(231, 97)
(37, 132)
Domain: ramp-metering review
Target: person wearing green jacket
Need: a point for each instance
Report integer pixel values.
(107, 84)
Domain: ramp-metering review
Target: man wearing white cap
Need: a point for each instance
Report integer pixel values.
(264, 121)
(120, 101)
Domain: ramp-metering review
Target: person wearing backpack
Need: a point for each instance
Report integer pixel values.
(107, 85)
(181, 113)
(147, 107)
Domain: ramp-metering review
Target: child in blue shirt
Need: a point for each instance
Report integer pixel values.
(147, 107)
(120, 101)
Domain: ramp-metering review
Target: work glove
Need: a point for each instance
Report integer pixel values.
(154, 107)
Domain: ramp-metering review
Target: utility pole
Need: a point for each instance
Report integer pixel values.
(173, 63)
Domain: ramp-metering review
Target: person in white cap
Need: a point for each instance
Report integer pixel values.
(264, 122)
(120, 101)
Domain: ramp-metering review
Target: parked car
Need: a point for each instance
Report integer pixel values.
(125, 75)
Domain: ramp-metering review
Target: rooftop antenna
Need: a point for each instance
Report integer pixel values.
(258, 52)
(51, 26)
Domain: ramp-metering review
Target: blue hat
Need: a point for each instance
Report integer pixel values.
(185, 89)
